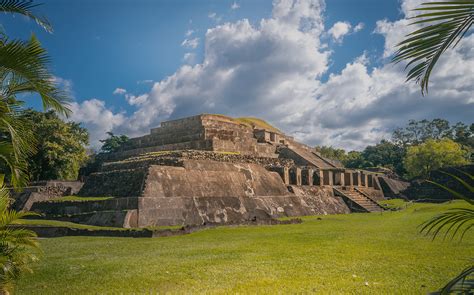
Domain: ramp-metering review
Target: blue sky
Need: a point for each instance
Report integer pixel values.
(101, 45)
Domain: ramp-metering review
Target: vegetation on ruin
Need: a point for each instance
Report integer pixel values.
(113, 143)
(323, 254)
(257, 123)
(78, 199)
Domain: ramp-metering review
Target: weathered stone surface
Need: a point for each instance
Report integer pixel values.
(211, 169)
(43, 191)
(321, 200)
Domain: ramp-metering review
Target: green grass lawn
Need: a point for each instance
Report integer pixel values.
(355, 253)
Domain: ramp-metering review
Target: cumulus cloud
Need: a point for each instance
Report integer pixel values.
(273, 69)
(190, 43)
(189, 58)
(94, 115)
(136, 99)
(339, 30)
(189, 33)
(119, 91)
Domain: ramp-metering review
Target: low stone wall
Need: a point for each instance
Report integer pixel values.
(43, 191)
(81, 207)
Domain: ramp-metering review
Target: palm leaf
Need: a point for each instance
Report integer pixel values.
(448, 22)
(27, 61)
(15, 243)
(24, 7)
(455, 221)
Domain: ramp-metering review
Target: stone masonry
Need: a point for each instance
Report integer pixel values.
(216, 169)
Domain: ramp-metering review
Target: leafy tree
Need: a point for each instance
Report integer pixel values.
(61, 146)
(113, 142)
(416, 132)
(16, 244)
(384, 154)
(354, 159)
(331, 152)
(448, 22)
(433, 154)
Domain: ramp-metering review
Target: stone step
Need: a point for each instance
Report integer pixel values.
(361, 200)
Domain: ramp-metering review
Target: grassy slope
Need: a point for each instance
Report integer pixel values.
(337, 254)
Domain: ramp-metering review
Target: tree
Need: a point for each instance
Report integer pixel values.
(433, 154)
(331, 152)
(416, 132)
(354, 159)
(384, 154)
(23, 70)
(60, 149)
(448, 22)
(16, 244)
(113, 142)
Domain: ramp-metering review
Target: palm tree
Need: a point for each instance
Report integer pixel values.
(448, 22)
(24, 7)
(23, 69)
(16, 244)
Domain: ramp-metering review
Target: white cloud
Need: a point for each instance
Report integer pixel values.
(339, 30)
(234, 6)
(119, 91)
(189, 33)
(64, 84)
(272, 70)
(136, 100)
(94, 115)
(190, 43)
(189, 58)
(359, 27)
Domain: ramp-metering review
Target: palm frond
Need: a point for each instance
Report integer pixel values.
(15, 243)
(24, 7)
(454, 221)
(458, 220)
(28, 61)
(448, 22)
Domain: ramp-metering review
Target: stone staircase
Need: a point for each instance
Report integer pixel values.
(361, 202)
